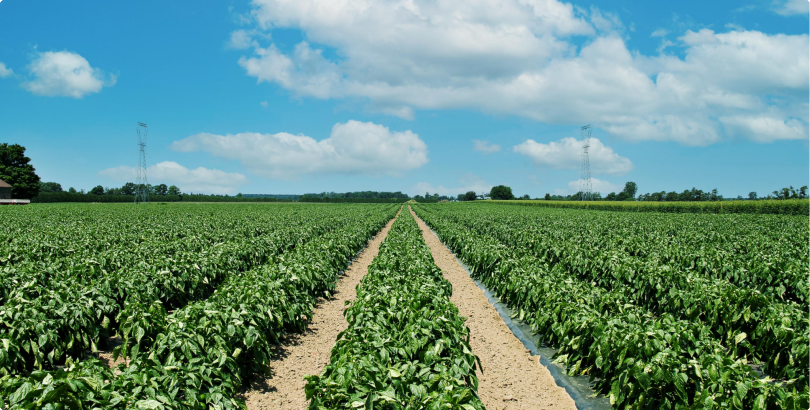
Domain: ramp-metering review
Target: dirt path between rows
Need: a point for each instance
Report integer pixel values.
(308, 352)
(512, 378)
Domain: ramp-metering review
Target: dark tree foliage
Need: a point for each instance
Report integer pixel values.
(630, 188)
(501, 192)
(98, 190)
(16, 170)
(160, 189)
(128, 189)
(470, 196)
(50, 187)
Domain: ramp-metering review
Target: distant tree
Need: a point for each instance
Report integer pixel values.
(161, 189)
(501, 192)
(174, 190)
(526, 197)
(739, 197)
(752, 195)
(714, 196)
(128, 189)
(72, 190)
(596, 196)
(16, 170)
(623, 196)
(98, 190)
(239, 195)
(611, 197)
(470, 196)
(547, 197)
(803, 192)
(630, 188)
(671, 196)
(50, 187)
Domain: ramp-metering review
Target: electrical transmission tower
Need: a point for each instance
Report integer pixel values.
(585, 175)
(141, 183)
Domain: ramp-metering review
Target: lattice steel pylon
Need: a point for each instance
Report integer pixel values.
(141, 183)
(585, 175)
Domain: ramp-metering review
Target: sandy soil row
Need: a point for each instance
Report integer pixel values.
(512, 378)
(308, 352)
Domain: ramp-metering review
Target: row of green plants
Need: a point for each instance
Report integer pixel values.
(637, 358)
(206, 350)
(767, 253)
(47, 323)
(777, 331)
(766, 206)
(406, 346)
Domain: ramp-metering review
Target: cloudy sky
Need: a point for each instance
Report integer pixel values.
(280, 96)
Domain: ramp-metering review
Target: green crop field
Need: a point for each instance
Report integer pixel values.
(660, 310)
(198, 293)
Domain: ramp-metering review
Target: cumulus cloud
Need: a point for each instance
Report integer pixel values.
(66, 74)
(567, 154)
(485, 147)
(4, 71)
(763, 128)
(791, 7)
(469, 182)
(202, 180)
(517, 57)
(597, 185)
(241, 39)
(352, 148)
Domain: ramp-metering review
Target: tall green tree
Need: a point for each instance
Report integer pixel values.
(128, 189)
(174, 190)
(16, 170)
(50, 187)
(501, 192)
(630, 188)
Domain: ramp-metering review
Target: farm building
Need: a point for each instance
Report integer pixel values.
(5, 190)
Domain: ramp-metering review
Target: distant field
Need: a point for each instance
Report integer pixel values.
(765, 206)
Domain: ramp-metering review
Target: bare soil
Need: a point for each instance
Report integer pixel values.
(308, 352)
(512, 378)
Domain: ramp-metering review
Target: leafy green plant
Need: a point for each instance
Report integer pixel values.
(405, 347)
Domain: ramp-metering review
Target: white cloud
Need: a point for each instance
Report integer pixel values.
(352, 148)
(597, 185)
(516, 57)
(467, 183)
(567, 154)
(66, 74)
(485, 147)
(241, 39)
(4, 71)
(263, 104)
(762, 128)
(792, 7)
(199, 180)
(659, 33)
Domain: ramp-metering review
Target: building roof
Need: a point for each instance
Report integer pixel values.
(3, 184)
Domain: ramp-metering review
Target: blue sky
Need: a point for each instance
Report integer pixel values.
(440, 96)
